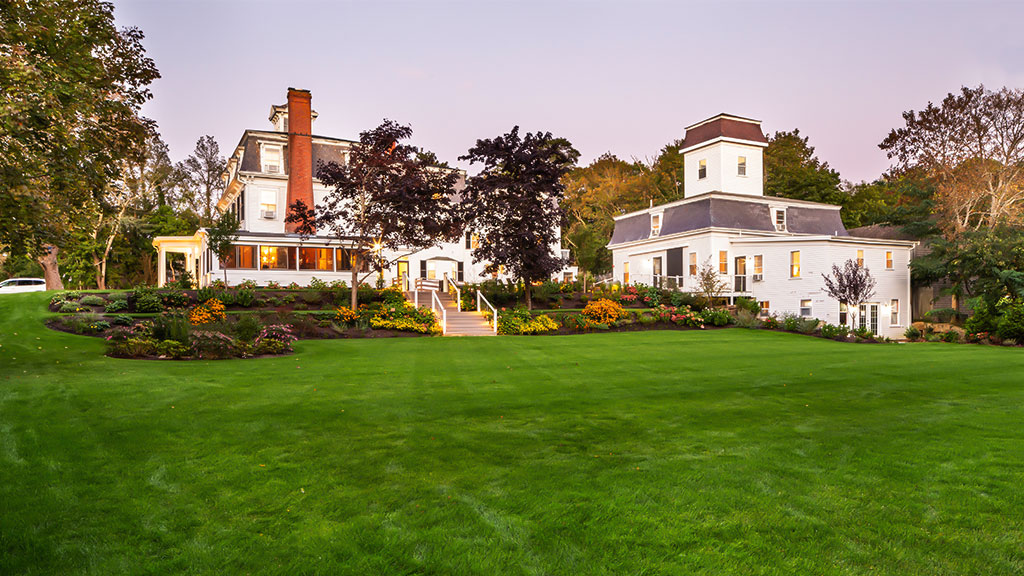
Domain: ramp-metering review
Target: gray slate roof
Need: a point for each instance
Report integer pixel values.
(718, 212)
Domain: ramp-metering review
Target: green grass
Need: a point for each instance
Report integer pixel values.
(720, 452)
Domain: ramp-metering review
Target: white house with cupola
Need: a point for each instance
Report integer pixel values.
(266, 173)
(769, 249)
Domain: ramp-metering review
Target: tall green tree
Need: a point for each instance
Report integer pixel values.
(513, 203)
(73, 85)
(791, 170)
(200, 179)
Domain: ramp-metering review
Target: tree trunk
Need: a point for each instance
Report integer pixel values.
(355, 283)
(51, 271)
(529, 298)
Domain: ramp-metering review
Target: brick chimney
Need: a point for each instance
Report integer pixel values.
(300, 150)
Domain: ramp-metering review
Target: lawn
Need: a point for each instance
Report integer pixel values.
(718, 452)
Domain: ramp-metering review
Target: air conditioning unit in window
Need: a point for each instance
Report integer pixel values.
(268, 214)
(273, 168)
(780, 227)
(758, 277)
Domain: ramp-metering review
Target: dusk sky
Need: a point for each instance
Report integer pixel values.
(620, 77)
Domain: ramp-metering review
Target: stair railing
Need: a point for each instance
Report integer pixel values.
(436, 303)
(453, 287)
(494, 311)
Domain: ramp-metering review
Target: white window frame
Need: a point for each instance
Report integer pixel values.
(741, 166)
(263, 158)
(894, 312)
(656, 221)
(784, 226)
(805, 311)
(264, 193)
(890, 260)
(702, 169)
(796, 265)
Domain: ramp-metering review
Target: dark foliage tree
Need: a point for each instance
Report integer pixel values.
(200, 176)
(850, 284)
(387, 197)
(971, 148)
(985, 263)
(73, 86)
(513, 203)
(791, 170)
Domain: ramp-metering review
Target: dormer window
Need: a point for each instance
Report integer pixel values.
(655, 224)
(272, 160)
(741, 166)
(780, 220)
(702, 169)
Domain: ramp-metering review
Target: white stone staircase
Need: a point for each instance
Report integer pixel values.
(465, 323)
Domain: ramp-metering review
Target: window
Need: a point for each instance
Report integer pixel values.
(268, 204)
(888, 260)
(844, 314)
(693, 263)
(741, 166)
(894, 313)
(469, 240)
(758, 264)
(794, 264)
(723, 262)
(805, 308)
(860, 258)
(702, 169)
(277, 257)
(625, 272)
(272, 159)
(765, 307)
(316, 259)
(346, 257)
(780, 220)
(655, 224)
(240, 257)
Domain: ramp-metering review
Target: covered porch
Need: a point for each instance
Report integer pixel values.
(196, 258)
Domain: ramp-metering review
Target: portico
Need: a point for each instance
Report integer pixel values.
(193, 249)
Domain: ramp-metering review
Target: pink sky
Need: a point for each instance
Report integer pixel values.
(624, 77)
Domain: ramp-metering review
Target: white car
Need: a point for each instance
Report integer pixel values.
(22, 285)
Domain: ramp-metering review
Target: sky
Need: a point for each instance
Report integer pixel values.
(620, 77)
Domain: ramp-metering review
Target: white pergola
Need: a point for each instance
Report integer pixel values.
(194, 249)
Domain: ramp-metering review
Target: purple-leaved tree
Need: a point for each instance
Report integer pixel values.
(850, 284)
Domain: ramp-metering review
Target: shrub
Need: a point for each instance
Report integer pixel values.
(245, 297)
(345, 315)
(807, 325)
(281, 333)
(174, 298)
(117, 296)
(204, 294)
(747, 319)
(952, 336)
(912, 334)
(520, 321)
(790, 322)
(983, 319)
(288, 298)
(116, 306)
(171, 326)
(131, 347)
(247, 328)
(1011, 323)
(85, 323)
(311, 298)
(771, 323)
(403, 317)
(749, 305)
(68, 307)
(603, 311)
(146, 300)
(207, 344)
(646, 319)
(317, 284)
(866, 334)
(210, 311)
(92, 300)
(835, 332)
(171, 349)
(650, 296)
(183, 282)
(122, 320)
(716, 317)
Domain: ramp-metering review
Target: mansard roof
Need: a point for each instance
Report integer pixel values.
(730, 211)
(724, 126)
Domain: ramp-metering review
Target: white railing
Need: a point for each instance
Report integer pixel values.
(436, 303)
(453, 287)
(494, 311)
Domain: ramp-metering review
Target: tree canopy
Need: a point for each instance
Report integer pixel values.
(513, 203)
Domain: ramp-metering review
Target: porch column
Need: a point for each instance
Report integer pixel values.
(190, 263)
(161, 272)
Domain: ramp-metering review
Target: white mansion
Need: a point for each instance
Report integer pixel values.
(266, 173)
(772, 250)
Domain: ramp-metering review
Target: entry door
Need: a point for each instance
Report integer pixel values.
(741, 274)
(656, 267)
(403, 270)
(869, 317)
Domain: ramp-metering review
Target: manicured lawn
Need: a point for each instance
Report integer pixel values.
(720, 452)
